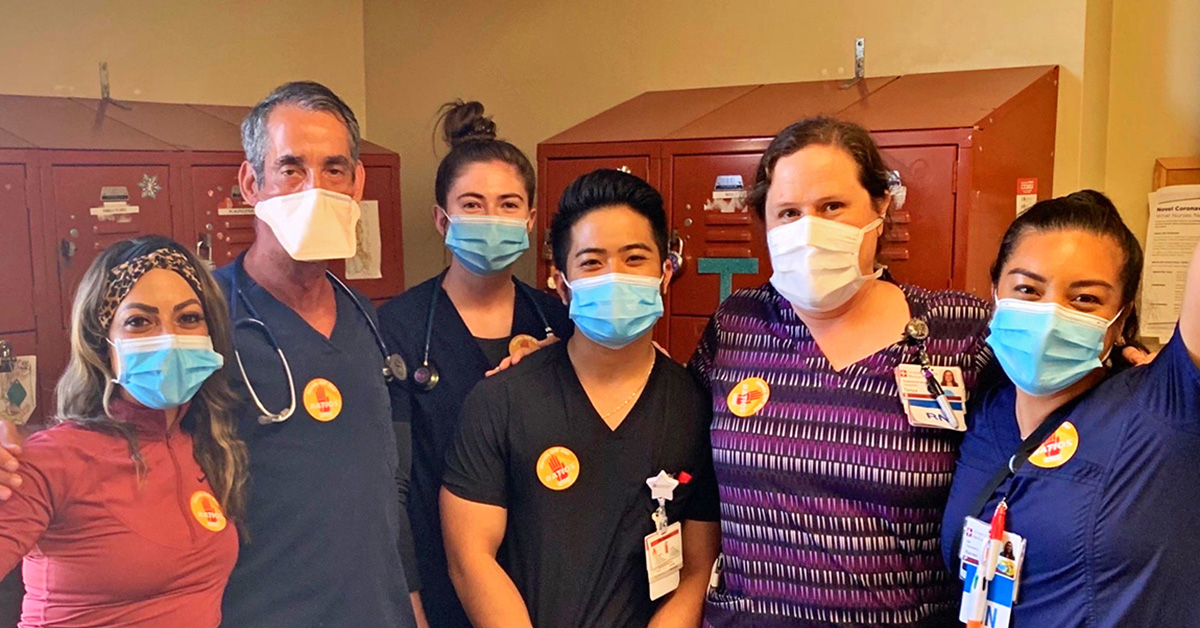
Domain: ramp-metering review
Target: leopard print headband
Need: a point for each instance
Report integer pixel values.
(122, 277)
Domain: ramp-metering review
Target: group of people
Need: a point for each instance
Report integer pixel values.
(255, 447)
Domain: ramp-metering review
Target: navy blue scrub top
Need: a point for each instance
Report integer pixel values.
(1113, 534)
(434, 415)
(322, 514)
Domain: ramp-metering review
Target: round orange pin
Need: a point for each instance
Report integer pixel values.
(207, 511)
(1056, 450)
(558, 468)
(322, 399)
(521, 342)
(748, 397)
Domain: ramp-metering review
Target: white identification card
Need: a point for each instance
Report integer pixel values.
(664, 559)
(925, 410)
(1004, 587)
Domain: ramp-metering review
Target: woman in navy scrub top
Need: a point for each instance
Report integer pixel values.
(1109, 503)
(484, 191)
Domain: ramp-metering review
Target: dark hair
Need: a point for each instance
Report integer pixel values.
(822, 131)
(307, 95)
(606, 188)
(1093, 212)
(471, 137)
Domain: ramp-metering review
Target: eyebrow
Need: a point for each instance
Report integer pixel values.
(1082, 283)
(482, 198)
(289, 160)
(636, 246)
(153, 310)
(1028, 273)
(337, 160)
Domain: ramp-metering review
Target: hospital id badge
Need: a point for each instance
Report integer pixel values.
(945, 412)
(664, 559)
(1001, 592)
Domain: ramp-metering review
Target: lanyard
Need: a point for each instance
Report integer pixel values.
(1018, 459)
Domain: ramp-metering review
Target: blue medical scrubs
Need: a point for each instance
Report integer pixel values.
(322, 515)
(1113, 534)
(461, 363)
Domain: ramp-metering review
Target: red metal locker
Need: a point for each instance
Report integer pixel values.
(96, 205)
(16, 252)
(959, 141)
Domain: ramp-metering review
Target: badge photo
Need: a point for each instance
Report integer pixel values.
(558, 468)
(323, 400)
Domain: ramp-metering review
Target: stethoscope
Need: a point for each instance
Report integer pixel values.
(426, 377)
(394, 367)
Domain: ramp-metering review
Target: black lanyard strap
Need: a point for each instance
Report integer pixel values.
(1016, 461)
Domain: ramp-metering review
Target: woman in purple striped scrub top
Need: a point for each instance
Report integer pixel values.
(831, 502)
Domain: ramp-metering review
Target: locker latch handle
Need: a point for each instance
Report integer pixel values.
(7, 361)
(68, 248)
(204, 241)
(675, 253)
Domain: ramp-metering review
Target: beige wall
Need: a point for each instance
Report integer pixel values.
(541, 66)
(208, 51)
(1154, 102)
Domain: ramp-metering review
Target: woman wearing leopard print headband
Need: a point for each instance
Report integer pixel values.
(127, 507)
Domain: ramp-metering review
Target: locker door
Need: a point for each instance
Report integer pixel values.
(711, 228)
(224, 220)
(559, 173)
(85, 223)
(918, 246)
(382, 186)
(16, 252)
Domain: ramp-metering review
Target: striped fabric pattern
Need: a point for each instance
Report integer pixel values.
(831, 503)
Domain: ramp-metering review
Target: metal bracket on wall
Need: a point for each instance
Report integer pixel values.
(860, 64)
(105, 93)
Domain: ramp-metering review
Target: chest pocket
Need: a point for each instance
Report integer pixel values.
(1055, 509)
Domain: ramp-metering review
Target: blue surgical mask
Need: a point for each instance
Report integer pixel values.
(1045, 347)
(165, 371)
(486, 245)
(615, 309)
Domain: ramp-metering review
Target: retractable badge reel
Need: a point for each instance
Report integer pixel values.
(927, 401)
(664, 546)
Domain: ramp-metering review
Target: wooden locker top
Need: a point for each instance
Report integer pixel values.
(650, 116)
(77, 124)
(766, 110)
(181, 126)
(944, 100)
(233, 114)
(8, 140)
(941, 100)
(61, 123)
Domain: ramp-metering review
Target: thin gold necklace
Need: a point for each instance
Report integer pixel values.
(632, 396)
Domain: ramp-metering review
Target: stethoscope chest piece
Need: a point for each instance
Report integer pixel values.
(395, 368)
(425, 377)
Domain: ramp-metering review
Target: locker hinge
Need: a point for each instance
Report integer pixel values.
(954, 179)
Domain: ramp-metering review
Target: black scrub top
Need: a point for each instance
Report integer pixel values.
(322, 518)
(576, 553)
(433, 415)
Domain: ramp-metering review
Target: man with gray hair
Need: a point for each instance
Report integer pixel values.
(323, 518)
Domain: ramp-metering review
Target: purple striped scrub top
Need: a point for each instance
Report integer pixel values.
(831, 503)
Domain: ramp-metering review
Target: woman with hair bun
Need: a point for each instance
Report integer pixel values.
(452, 329)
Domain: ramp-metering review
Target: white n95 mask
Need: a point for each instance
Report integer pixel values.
(815, 262)
(312, 225)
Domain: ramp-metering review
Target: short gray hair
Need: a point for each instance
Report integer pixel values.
(307, 95)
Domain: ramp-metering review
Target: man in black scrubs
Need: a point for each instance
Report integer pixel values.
(552, 492)
(323, 516)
